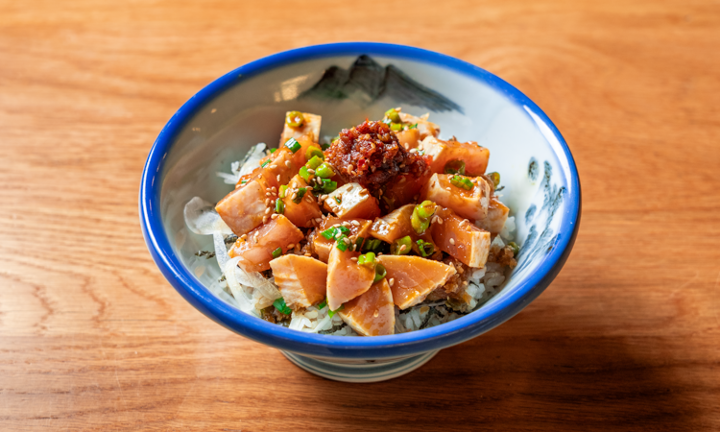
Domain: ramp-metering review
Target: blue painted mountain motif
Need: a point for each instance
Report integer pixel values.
(367, 81)
(552, 196)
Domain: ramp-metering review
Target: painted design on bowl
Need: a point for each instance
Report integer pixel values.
(552, 196)
(366, 81)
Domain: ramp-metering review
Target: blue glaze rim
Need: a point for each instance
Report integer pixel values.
(434, 338)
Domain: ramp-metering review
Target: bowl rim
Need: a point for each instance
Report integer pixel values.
(451, 333)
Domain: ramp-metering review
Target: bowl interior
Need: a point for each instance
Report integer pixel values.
(345, 89)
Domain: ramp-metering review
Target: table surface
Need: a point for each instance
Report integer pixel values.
(92, 337)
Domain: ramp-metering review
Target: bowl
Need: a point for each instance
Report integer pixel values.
(346, 83)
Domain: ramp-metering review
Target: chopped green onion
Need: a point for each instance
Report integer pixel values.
(283, 189)
(358, 243)
(273, 150)
(515, 248)
(495, 177)
(387, 121)
(329, 233)
(281, 306)
(396, 127)
(293, 145)
(413, 126)
(401, 246)
(277, 252)
(426, 209)
(335, 232)
(242, 182)
(314, 162)
(380, 272)
(294, 119)
(341, 243)
(328, 186)
(279, 206)
(426, 248)
(462, 182)
(421, 215)
(338, 200)
(419, 225)
(393, 115)
(313, 151)
(300, 194)
(325, 171)
(322, 305)
(455, 166)
(366, 259)
(305, 174)
(332, 312)
(372, 245)
(325, 146)
(266, 163)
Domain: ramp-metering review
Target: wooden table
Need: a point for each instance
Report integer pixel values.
(92, 337)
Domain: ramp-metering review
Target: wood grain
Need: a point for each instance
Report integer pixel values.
(93, 338)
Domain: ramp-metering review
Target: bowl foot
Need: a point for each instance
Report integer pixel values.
(360, 371)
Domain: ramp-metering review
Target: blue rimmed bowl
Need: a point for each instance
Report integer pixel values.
(346, 83)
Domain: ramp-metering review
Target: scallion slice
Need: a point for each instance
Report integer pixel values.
(293, 145)
(462, 182)
(281, 306)
(380, 272)
(300, 194)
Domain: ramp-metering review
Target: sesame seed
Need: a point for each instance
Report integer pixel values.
(294, 195)
(356, 223)
(311, 171)
(391, 281)
(353, 259)
(265, 219)
(439, 220)
(273, 166)
(318, 220)
(402, 248)
(274, 216)
(278, 179)
(288, 164)
(291, 245)
(267, 210)
(308, 254)
(452, 241)
(267, 194)
(273, 189)
(465, 283)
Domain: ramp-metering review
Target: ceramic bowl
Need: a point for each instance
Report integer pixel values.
(346, 83)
